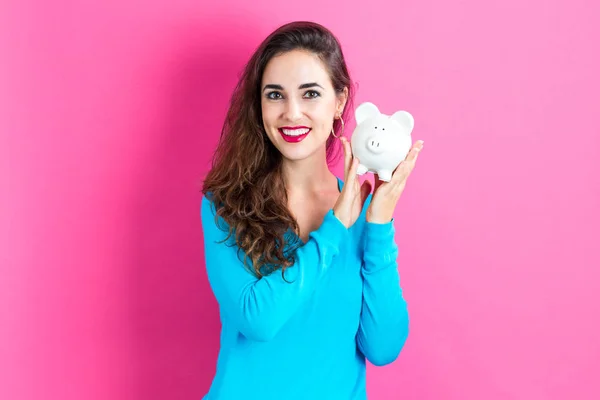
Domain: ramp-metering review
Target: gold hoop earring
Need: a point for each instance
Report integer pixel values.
(342, 134)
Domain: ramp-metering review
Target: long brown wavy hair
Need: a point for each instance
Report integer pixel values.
(245, 182)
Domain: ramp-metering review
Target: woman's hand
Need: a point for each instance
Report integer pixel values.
(350, 202)
(386, 194)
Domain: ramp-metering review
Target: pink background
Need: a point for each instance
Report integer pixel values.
(109, 114)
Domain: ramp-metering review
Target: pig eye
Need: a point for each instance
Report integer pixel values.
(375, 127)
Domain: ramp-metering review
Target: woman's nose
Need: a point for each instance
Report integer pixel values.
(293, 110)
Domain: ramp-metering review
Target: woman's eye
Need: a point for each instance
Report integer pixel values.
(312, 94)
(274, 95)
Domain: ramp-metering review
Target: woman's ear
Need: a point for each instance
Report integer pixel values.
(342, 98)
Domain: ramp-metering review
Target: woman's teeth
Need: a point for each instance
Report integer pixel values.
(295, 132)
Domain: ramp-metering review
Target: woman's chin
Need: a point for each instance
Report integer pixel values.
(298, 153)
(301, 150)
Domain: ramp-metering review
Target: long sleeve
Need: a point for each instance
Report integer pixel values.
(384, 321)
(259, 308)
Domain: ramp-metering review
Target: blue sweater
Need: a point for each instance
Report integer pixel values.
(307, 339)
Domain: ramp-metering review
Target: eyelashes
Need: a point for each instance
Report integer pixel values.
(271, 95)
(312, 94)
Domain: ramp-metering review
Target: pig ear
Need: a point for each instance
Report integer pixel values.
(365, 111)
(405, 119)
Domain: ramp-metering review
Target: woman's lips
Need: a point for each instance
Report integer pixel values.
(291, 135)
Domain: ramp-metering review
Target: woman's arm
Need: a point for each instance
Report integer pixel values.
(384, 321)
(260, 307)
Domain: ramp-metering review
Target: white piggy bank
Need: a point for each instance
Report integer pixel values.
(379, 141)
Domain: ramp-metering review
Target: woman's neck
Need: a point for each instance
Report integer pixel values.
(311, 175)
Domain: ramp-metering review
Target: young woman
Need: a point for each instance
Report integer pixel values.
(302, 263)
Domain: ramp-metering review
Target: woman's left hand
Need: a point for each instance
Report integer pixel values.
(386, 194)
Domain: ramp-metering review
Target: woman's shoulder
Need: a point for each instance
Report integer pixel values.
(206, 204)
(208, 215)
(207, 207)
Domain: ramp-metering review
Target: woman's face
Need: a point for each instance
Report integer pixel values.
(299, 103)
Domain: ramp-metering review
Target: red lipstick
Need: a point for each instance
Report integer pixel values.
(294, 134)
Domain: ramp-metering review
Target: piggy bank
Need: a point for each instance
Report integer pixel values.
(380, 141)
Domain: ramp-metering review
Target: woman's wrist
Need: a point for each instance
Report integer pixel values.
(378, 219)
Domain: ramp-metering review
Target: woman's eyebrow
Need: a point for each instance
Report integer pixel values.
(303, 86)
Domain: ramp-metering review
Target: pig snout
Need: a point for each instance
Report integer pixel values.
(375, 144)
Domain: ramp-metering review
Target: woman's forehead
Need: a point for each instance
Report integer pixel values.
(295, 68)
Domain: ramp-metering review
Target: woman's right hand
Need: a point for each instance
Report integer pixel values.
(352, 199)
